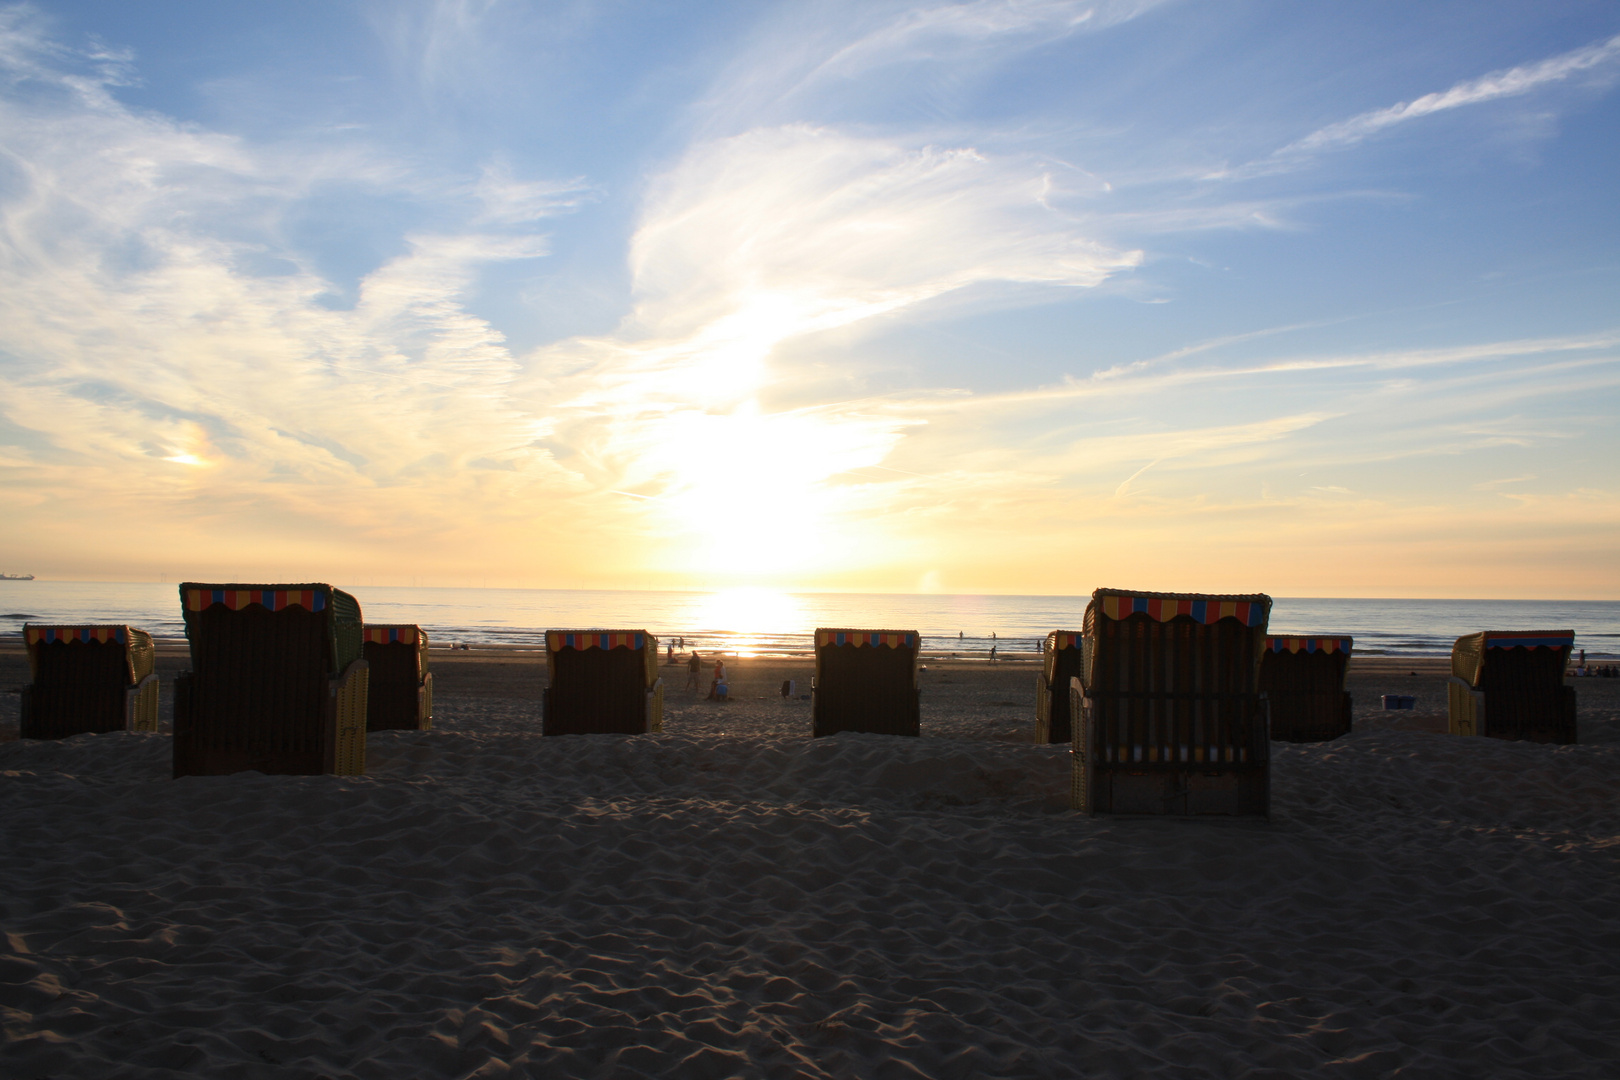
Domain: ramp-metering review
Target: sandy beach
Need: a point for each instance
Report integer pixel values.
(732, 898)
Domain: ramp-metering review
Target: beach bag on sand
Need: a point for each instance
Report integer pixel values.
(865, 680)
(400, 694)
(1169, 717)
(1303, 680)
(88, 680)
(1060, 661)
(602, 682)
(1509, 684)
(277, 682)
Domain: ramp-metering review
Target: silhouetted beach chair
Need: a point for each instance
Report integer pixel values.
(602, 682)
(1509, 684)
(399, 695)
(866, 680)
(277, 682)
(88, 679)
(1060, 662)
(1169, 714)
(1303, 680)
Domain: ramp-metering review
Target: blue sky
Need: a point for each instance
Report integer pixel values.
(1316, 298)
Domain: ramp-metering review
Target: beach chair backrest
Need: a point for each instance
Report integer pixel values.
(115, 647)
(262, 657)
(1303, 680)
(88, 679)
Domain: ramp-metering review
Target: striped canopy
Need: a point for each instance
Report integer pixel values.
(1529, 639)
(392, 635)
(1065, 639)
(1250, 610)
(1468, 655)
(34, 635)
(1308, 644)
(274, 599)
(558, 640)
(894, 639)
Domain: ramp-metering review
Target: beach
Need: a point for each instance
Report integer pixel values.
(733, 898)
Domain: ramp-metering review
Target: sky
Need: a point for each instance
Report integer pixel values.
(1000, 296)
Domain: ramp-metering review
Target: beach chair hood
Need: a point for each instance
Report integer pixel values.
(139, 654)
(866, 639)
(342, 611)
(408, 634)
(1471, 654)
(635, 640)
(1252, 610)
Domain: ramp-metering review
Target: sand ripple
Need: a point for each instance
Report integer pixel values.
(490, 903)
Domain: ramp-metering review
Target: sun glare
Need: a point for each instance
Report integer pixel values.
(746, 619)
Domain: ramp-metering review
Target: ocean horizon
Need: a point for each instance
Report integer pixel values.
(755, 621)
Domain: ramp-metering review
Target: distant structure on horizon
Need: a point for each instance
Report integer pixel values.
(16, 577)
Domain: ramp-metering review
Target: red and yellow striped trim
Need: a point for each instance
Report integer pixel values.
(274, 599)
(391, 635)
(1162, 609)
(34, 635)
(558, 640)
(1066, 639)
(1308, 644)
(894, 639)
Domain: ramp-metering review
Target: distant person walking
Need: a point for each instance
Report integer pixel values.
(992, 654)
(693, 666)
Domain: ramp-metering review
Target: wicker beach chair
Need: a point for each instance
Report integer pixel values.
(277, 682)
(88, 679)
(866, 680)
(1509, 684)
(602, 682)
(1060, 661)
(399, 696)
(1169, 714)
(1303, 680)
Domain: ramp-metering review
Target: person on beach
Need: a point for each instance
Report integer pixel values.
(669, 657)
(693, 666)
(715, 690)
(992, 654)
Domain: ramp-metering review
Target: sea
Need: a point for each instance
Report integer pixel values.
(760, 622)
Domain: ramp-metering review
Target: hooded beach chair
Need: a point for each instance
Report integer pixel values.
(1060, 662)
(1169, 718)
(1509, 684)
(1303, 680)
(865, 680)
(277, 682)
(602, 682)
(399, 695)
(88, 679)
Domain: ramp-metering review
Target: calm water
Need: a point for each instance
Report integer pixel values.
(763, 621)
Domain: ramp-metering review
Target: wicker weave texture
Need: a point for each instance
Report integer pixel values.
(862, 688)
(79, 688)
(1306, 694)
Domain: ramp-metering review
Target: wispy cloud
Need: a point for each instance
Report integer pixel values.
(155, 375)
(1498, 84)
